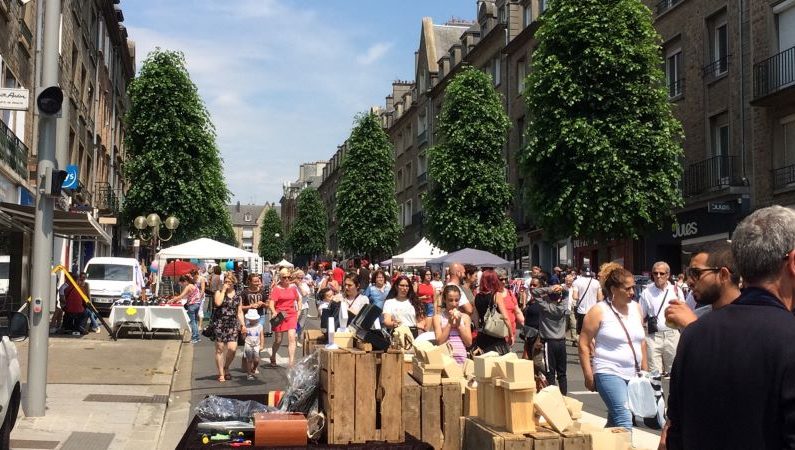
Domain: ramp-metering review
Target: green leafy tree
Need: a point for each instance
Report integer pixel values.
(366, 205)
(271, 237)
(308, 234)
(173, 166)
(603, 148)
(468, 199)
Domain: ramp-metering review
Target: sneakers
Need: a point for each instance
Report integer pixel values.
(251, 378)
(96, 330)
(195, 341)
(299, 345)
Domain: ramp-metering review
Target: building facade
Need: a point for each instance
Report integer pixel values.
(246, 223)
(309, 175)
(330, 179)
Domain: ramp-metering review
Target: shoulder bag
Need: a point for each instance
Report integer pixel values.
(640, 393)
(651, 321)
(582, 295)
(493, 323)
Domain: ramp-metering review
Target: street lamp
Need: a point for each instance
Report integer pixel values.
(148, 229)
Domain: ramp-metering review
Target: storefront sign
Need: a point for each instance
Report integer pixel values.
(14, 99)
(721, 207)
(683, 230)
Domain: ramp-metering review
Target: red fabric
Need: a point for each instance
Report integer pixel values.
(338, 274)
(284, 302)
(425, 289)
(510, 309)
(73, 303)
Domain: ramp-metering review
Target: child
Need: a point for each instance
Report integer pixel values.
(251, 349)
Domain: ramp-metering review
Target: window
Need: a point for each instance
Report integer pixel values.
(248, 232)
(719, 46)
(399, 180)
(408, 212)
(785, 24)
(542, 6)
(674, 77)
(502, 16)
(408, 175)
(788, 139)
(521, 73)
(400, 214)
(527, 15)
(494, 70)
(719, 135)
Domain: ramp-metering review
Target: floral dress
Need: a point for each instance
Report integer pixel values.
(225, 323)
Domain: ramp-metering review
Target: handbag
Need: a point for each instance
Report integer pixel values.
(277, 320)
(651, 321)
(493, 323)
(640, 393)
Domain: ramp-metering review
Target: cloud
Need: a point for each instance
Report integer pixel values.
(374, 53)
(280, 92)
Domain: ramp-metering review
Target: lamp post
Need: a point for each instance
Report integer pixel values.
(148, 229)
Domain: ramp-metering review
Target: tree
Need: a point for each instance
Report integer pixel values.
(603, 153)
(468, 199)
(173, 166)
(271, 237)
(308, 234)
(366, 205)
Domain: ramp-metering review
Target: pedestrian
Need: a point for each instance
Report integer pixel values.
(571, 320)
(615, 359)
(351, 300)
(200, 279)
(253, 298)
(490, 296)
(733, 379)
(364, 275)
(425, 291)
(453, 326)
(661, 341)
(402, 307)
(515, 316)
(216, 284)
(437, 282)
(378, 289)
(228, 323)
(284, 300)
(251, 346)
(585, 292)
(470, 281)
(74, 308)
(533, 347)
(552, 329)
(191, 297)
(456, 274)
(304, 292)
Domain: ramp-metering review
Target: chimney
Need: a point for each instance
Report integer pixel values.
(237, 208)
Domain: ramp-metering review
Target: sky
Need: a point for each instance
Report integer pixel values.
(284, 79)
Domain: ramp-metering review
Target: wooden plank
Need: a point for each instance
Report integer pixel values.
(546, 439)
(549, 403)
(452, 408)
(579, 441)
(432, 416)
(364, 411)
(485, 388)
(341, 370)
(412, 398)
(470, 401)
(390, 387)
(519, 416)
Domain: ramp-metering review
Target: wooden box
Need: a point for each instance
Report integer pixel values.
(361, 395)
(480, 436)
(279, 430)
(313, 339)
(433, 413)
(546, 439)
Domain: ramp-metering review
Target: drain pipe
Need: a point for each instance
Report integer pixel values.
(740, 5)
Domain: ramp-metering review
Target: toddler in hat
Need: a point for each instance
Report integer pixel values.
(251, 348)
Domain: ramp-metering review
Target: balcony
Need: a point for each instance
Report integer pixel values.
(712, 175)
(422, 178)
(107, 199)
(774, 75)
(25, 31)
(783, 177)
(13, 151)
(716, 69)
(422, 137)
(665, 5)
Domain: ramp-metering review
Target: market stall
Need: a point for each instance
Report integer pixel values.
(480, 258)
(148, 318)
(418, 255)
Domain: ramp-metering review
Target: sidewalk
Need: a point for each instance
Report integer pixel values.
(100, 394)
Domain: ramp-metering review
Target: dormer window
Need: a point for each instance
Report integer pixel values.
(247, 217)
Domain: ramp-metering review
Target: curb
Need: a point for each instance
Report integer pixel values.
(177, 412)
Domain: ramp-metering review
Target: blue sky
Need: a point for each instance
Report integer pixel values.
(284, 79)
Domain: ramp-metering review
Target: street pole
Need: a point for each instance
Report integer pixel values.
(42, 230)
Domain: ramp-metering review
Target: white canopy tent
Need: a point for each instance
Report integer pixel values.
(285, 263)
(418, 255)
(204, 248)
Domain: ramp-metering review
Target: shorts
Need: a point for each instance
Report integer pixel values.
(251, 351)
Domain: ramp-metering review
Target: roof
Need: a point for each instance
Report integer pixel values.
(445, 36)
(238, 213)
(204, 248)
(64, 223)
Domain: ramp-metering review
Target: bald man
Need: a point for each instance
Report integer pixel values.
(456, 271)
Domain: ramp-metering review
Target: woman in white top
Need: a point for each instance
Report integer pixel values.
(402, 307)
(352, 301)
(614, 361)
(304, 291)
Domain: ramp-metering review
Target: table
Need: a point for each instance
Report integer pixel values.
(149, 318)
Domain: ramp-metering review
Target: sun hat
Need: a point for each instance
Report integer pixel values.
(252, 314)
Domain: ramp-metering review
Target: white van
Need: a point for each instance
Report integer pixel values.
(110, 277)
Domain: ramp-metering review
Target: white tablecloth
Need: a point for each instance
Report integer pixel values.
(152, 317)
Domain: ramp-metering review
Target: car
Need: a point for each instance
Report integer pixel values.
(13, 329)
(111, 278)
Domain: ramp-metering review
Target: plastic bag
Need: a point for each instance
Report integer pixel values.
(217, 409)
(640, 395)
(316, 422)
(303, 385)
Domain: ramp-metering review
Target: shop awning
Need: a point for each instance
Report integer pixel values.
(65, 224)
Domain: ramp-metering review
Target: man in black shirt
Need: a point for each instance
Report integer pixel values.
(733, 379)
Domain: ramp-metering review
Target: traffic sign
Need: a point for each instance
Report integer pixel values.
(70, 182)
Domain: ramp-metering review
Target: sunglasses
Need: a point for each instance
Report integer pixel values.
(696, 272)
(659, 274)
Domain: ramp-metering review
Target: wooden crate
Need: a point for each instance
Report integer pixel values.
(312, 339)
(433, 413)
(480, 436)
(361, 395)
(546, 439)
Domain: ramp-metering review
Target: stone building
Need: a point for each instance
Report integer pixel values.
(96, 64)
(309, 175)
(332, 172)
(246, 223)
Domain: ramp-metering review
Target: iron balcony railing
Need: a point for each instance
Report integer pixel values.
(665, 5)
(716, 68)
(774, 73)
(783, 176)
(676, 88)
(106, 198)
(13, 151)
(23, 28)
(712, 174)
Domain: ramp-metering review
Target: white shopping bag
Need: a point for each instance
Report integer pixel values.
(641, 399)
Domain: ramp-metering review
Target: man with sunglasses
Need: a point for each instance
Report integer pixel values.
(733, 380)
(661, 340)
